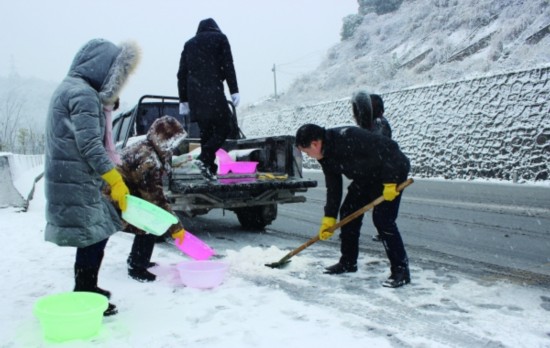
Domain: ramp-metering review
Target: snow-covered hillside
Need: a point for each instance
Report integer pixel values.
(426, 42)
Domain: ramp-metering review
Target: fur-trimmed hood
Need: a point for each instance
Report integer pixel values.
(106, 66)
(165, 134)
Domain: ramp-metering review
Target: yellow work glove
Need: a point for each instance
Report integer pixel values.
(178, 236)
(390, 192)
(326, 223)
(119, 190)
(269, 176)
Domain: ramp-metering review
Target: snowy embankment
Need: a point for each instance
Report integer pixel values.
(17, 178)
(490, 127)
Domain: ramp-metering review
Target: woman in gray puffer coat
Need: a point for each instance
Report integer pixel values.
(76, 162)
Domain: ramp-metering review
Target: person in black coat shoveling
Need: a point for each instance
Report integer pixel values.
(375, 164)
(206, 62)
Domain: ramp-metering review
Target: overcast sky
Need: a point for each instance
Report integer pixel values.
(40, 38)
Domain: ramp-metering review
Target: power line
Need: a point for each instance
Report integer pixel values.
(307, 55)
(277, 67)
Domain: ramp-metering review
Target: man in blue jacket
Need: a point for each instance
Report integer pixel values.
(375, 165)
(206, 62)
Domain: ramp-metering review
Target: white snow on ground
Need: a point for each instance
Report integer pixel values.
(251, 309)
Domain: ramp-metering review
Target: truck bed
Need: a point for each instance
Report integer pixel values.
(185, 184)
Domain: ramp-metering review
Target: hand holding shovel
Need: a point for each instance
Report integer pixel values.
(339, 224)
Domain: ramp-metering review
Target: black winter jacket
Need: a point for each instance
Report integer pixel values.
(368, 159)
(206, 62)
(382, 126)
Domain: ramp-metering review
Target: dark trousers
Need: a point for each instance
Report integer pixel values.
(90, 256)
(383, 216)
(213, 133)
(87, 264)
(142, 250)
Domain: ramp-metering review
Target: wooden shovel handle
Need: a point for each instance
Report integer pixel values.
(348, 218)
(368, 207)
(302, 247)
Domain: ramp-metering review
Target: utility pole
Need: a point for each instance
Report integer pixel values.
(275, 79)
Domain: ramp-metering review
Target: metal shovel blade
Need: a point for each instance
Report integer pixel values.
(279, 264)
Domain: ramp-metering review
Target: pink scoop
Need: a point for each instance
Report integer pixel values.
(223, 156)
(194, 247)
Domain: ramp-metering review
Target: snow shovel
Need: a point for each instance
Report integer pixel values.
(285, 260)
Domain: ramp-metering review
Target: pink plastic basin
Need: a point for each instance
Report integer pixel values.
(223, 156)
(194, 247)
(237, 167)
(202, 274)
(227, 165)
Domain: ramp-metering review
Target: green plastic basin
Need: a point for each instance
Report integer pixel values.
(70, 315)
(147, 216)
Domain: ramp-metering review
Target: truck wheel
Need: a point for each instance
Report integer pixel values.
(254, 218)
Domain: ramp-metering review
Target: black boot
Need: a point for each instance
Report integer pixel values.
(140, 258)
(399, 276)
(86, 280)
(340, 268)
(141, 275)
(152, 264)
(111, 310)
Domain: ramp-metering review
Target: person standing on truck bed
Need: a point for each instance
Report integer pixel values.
(206, 62)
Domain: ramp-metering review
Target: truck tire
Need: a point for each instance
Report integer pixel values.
(254, 218)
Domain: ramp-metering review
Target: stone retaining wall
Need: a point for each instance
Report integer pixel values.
(494, 127)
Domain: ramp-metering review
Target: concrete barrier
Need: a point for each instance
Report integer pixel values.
(18, 175)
